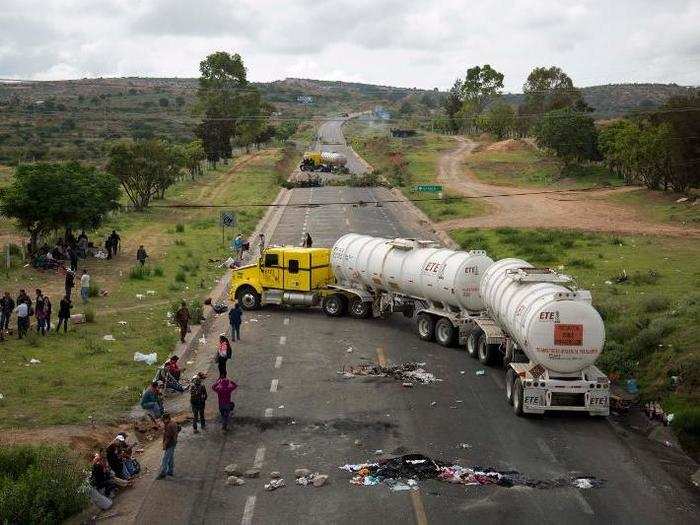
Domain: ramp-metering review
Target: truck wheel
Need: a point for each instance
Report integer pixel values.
(518, 397)
(473, 342)
(248, 298)
(487, 352)
(510, 379)
(360, 309)
(444, 332)
(425, 326)
(334, 305)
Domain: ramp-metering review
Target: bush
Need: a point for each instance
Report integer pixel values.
(94, 289)
(158, 271)
(92, 346)
(196, 311)
(648, 339)
(180, 228)
(139, 273)
(648, 277)
(179, 242)
(687, 420)
(180, 277)
(40, 484)
(581, 263)
(90, 315)
(615, 359)
(656, 303)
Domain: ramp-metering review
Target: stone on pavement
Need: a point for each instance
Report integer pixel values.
(320, 480)
(301, 472)
(235, 481)
(252, 473)
(232, 470)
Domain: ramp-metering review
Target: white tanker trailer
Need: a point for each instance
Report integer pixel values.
(547, 335)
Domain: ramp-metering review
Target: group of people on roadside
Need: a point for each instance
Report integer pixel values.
(26, 309)
(113, 467)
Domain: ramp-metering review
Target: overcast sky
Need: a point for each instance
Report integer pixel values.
(413, 43)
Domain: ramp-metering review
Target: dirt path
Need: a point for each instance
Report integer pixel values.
(522, 208)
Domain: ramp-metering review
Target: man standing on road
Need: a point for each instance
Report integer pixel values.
(182, 316)
(198, 399)
(235, 316)
(224, 387)
(170, 432)
(85, 286)
(7, 304)
(307, 240)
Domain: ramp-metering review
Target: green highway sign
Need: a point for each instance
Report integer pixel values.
(429, 188)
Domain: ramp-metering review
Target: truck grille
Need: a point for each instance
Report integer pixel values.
(568, 399)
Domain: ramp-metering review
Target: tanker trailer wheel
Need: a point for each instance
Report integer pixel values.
(473, 342)
(334, 305)
(444, 332)
(488, 354)
(360, 309)
(518, 397)
(248, 298)
(425, 326)
(510, 380)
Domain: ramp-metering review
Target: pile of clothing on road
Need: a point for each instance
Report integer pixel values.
(406, 372)
(404, 472)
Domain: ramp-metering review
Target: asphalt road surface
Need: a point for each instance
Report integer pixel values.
(295, 411)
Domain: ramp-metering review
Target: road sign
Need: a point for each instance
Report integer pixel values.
(429, 188)
(227, 219)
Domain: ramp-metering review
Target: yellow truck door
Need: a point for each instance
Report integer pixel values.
(271, 273)
(297, 274)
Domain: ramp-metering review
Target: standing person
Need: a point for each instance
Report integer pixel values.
(47, 313)
(85, 286)
(307, 240)
(108, 246)
(141, 255)
(40, 313)
(70, 282)
(73, 257)
(198, 399)
(261, 243)
(22, 311)
(237, 246)
(223, 354)
(115, 240)
(224, 387)
(182, 316)
(169, 442)
(7, 305)
(235, 316)
(24, 298)
(64, 313)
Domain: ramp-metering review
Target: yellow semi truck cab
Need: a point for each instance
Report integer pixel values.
(283, 275)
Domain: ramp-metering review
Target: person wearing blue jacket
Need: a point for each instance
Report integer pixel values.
(235, 316)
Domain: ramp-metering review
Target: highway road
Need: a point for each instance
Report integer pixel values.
(294, 410)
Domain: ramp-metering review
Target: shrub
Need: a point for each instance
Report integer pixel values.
(90, 315)
(173, 287)
(94, 289)
(15, 250)
(180, 277)
(656, 303)
(581, 263)
(615, 359)
(179, 242)
(196, 311)
(649, 338)
(92, 346)
(608, 311)
(687, 420)
(158, 271)
(648, 277)
(40, 484)
(179, 228)
(139, 273)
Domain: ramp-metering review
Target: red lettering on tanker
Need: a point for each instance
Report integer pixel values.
(568, 334)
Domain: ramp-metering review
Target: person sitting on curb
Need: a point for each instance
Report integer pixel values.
(172, 373)
(151, 401)
(103, 484)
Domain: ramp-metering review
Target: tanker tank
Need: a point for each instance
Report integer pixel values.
(554, 326)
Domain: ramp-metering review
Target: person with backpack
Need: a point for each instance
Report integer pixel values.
(198, 399)
(224, 387)
(223, 354)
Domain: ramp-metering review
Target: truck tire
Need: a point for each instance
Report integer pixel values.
(360, 309)
(510, 380)
(488, 354)
(425, 327)
(334, 305)
(518, 397)
(445, 332)
(248, 298)
(473, 342)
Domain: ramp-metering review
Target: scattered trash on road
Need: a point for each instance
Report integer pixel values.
(150, 292)
(405, 373)
(315, 479)
(34, 361)
(235, 481)
(121, 323)
(481, 372)
(109, 337)
(433, 403)
(378, 452)
(202, 340)
(140, 296)
(462, 372)
(149, 359)
(233, 470)
(275, 484)
(349, 350)
(465, 445)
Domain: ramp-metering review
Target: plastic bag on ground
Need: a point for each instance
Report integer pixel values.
(149, 359)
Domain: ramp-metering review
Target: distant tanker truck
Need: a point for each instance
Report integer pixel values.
(325, 161)
(546, 335)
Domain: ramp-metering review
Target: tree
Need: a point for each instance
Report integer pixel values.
(286, 129)
(78, 196)
(163, 102)
(481, 85)
(145, 169)
(570, 134)
(499, 119)
(180, 101)
(194, 155)
(452, 104)
(549, 88)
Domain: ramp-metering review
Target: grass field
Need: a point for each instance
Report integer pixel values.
(525, 166)
(80, 375)
(652, 316)
(409, 162)
(658, 206)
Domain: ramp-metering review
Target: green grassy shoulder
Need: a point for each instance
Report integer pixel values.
(652, 316)
(521, 165)
(82, 376)
(659, 206)
(5, 174)
(407, 163)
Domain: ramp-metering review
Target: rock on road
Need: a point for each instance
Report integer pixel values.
(294, 410)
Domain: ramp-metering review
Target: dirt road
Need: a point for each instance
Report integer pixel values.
(584, 210)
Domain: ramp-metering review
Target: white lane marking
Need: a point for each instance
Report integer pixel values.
(273, 385)
(259, 457)
(278, 361)
(248, 511)
(268, 412)
(283, 339)
(347, 222)
(286, 320)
